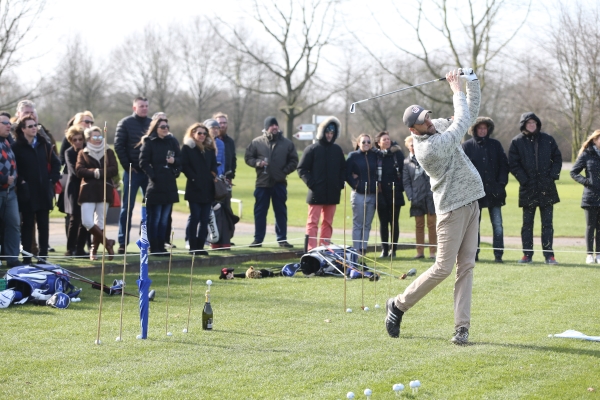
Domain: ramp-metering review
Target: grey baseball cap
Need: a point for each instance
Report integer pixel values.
(211, 123)
(414, 114)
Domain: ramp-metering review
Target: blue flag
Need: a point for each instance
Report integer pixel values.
(144, 281)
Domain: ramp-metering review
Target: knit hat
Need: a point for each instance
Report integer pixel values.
(270, 121)
(211, 123)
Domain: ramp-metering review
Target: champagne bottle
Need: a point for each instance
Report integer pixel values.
(207, 314)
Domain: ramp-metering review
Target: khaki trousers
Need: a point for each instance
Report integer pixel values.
(457, 244)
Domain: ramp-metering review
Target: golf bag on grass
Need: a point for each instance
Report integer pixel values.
(329, 261)
(225, 221)
(38, 284)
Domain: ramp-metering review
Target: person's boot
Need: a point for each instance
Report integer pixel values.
(385, 248)
(96, 233)
(109, 247)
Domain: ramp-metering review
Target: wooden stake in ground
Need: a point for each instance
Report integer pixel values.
(392, 232)
(363, 249)
(168, 285)
(190, 301)
(345, 202)
(103, 243)
(375, 258)
(120, 337)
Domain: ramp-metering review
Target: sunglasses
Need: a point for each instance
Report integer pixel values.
(77, 140)
(365, 142)
(88, 122)
(5, 122)
(97, 137)
(164, 127)
(202, 133)
(30, 126)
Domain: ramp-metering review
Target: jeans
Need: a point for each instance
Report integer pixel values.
(498, 238)
(9, 209)
(315, 212)
(158, 218)
(199, 213)
(139, 180)
(547, 230)
(592, 228)
(457, 235)
(278, 196)
(363, 211)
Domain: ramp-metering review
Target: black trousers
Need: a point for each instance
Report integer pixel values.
(386, 216)
(547, 230)
(43, 226)
(77, 235)
(592, 228)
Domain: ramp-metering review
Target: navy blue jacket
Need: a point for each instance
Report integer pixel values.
(589, 161)
(365, 166)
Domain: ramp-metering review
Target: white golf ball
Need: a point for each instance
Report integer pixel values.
(368, 392)
(184, 330)
(398, 387)
(348, 310)
(377, 306)
(209, 282)
(118, 339)
(169, 333)
(97, 341)
(138, 337)
(350, 395)
(415, 384)
(366, 308)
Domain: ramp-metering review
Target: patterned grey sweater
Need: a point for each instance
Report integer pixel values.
(454, 180)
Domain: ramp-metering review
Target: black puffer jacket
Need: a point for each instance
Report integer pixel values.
(35, 183)
(129, 133)
(200, 169)
(323, 167)
(230, 157)
(489, 158)
(535, 161)
(363, 164)
(588, 160)
(392, 166)
(162, 182)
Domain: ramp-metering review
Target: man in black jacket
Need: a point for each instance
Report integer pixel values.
(323, 169)
(273, 157)
(129, 133)
(230, 158)
(535, 161)
(488, 157)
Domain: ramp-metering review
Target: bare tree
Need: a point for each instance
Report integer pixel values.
(202, 55)
(17, 19)
(470, 30)
(299, 32)
(82, 79)
(146, 65)
(573, 43)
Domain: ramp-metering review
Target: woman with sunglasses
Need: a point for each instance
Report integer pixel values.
(361, 175)
(83, 120)
(77, 234)
(38, 170)
(390, 198)
(90, 169)
(160, 159)
(199, 164)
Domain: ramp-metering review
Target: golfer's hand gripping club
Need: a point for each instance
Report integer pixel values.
(466, 73)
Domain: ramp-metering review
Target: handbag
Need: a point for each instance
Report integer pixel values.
(116, 198)
(221, 189)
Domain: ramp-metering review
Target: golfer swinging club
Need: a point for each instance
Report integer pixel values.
(456, 186)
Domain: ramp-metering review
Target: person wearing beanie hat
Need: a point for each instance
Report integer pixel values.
(456, 187)
(214, 130)
(535, 161)
(273, 157)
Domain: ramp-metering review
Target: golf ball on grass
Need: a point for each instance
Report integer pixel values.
(398, 387)
(377, 306)
(209, 282)
(169, 333)
(366, 308)
(350, 395)
(138, 337)
(97, 341)
(415, 385)
(184, 330)
(118, 339)
(368, 393)
(348, 310)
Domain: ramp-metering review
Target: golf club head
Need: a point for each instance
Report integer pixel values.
(151, 295)
(411, 272)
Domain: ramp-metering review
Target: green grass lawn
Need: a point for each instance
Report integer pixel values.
(289, 338)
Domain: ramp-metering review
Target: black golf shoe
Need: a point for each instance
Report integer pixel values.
(461, 336)
(393, 318)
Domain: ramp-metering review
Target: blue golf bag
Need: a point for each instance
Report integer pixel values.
(329, 261)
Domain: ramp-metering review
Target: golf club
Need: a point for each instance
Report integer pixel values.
(353, 105)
